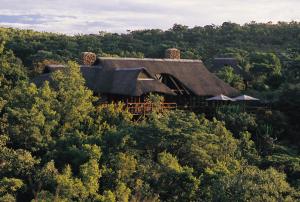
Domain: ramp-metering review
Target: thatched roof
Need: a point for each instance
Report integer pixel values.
(112, 80)
(134, 77)
(191, 73)
(52, 68)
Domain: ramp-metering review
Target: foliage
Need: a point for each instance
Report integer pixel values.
(8, 187)
(39, 66)
(252, 184)
(289, 100)
(11, 72)
(236, 119)
(266, 67)
(285, 159)
(57, 144)
(155, 101)
(227, 74)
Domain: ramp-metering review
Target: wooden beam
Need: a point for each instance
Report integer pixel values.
(174, 82)
(177, 86)
(186, 90)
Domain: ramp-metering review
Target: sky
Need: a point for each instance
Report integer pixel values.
(92, 16)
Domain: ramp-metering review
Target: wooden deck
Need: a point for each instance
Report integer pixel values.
(144, 108)
(141, 108)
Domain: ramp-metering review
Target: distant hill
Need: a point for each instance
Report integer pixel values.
(198, 42)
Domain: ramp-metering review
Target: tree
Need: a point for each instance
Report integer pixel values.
(31, 119)
(227, 74)
(124, 165)
(90, 174)
(11, 72)
(122, 192)
(291, 72)
(75, 100)
(36, 119)
(17, 163)
(252, 184)
(3, 38)
(264, 65)
(69, 187)
(196, 141)
(236, 120)
(8, 188)
(176, 183)
(16, 166)
(289, 100)
(247, 148)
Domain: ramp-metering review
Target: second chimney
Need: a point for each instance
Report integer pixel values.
(172, 53)
(88, 58)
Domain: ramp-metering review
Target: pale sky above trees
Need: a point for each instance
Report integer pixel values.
(78, 16)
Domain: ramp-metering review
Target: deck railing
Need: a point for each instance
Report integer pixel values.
(146, 108)
(143, 108)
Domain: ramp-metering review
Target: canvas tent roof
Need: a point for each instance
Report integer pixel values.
(245, 98)
(220, 98)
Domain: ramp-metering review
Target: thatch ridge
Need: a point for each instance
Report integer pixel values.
(149, 59)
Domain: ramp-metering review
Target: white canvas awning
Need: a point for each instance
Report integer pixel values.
(220, 98)
(245, 98)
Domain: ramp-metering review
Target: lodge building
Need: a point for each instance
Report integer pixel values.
(182, 82)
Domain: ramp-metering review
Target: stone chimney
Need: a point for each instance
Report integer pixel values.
(88, 58)
(172, 53)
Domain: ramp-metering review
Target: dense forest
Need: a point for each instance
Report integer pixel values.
(57, 144)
